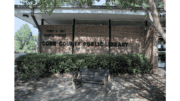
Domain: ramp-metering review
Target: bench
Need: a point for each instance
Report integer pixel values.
(93, 76)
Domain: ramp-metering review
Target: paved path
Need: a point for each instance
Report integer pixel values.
(162, 72)
(123, 88)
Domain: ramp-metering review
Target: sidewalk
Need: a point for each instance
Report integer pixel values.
(162, 72)
(123, 88)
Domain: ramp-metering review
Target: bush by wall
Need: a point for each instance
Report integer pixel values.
(41, 64)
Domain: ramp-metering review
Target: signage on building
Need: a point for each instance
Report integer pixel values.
(113, 44)
(52, 35)
(53, 43)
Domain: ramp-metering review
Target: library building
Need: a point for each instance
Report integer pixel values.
(94, 30)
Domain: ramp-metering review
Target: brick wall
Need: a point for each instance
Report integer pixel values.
(94, 33)
(91, 33)
(57, 49)
(133, 35)
(138, 41)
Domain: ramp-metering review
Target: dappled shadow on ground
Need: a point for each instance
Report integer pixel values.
(30, 87)
(91, 92)
(124, 87)
(149, 87)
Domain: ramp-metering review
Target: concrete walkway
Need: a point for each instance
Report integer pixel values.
(162, 72)
(123, 88)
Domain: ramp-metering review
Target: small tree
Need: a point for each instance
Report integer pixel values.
(24, 39)
(31, 45)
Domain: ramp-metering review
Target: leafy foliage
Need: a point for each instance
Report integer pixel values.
(37, 65)
(47, 6)
(24, 39)
(31, 44)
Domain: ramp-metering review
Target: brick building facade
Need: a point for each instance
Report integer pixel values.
(133, 35)
(139, 41)
(126, 33)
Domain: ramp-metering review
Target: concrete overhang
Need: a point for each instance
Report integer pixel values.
(83, 15)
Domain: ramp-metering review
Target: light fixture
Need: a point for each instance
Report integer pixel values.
(25, 15)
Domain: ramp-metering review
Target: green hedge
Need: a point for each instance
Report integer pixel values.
(37, 65)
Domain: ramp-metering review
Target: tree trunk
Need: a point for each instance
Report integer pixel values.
(156, 21)
(22, 46)
(164, 4)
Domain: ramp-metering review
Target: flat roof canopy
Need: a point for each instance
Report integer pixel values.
(91, 15)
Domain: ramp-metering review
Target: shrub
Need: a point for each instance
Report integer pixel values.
(37, 65)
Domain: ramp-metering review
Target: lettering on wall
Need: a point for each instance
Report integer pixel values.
(56, 30)
(52, 35)
(49, 30)
(49, 43)
(97, 44)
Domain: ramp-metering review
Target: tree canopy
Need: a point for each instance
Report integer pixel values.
(47, 6)
(24, 39)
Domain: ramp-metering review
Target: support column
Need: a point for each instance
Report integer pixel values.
(35, 21)
(109, 36)
(73, 29)
(40, 34)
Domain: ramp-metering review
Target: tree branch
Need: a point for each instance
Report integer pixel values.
(156, 21)
(148, 14)
(19, 39)
(164, 4)
(70, 2)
